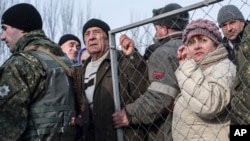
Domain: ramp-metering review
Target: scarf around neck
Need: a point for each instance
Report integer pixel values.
(213, 57)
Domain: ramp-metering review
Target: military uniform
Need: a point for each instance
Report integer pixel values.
(23, 88)
(240, 102)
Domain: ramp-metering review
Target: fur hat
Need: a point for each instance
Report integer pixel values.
(96, 23)
(177, 22)
(22, 16)
(202, 27)
(229, 13)
(67, 37)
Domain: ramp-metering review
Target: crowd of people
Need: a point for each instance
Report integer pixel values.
(191, 84)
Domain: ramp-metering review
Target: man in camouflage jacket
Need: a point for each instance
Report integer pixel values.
(31, 107)
(240, 101)
(237, 42)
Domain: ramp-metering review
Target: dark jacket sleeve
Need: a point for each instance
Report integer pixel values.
(133, 76)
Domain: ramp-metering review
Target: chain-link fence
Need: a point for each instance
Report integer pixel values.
(150, 115)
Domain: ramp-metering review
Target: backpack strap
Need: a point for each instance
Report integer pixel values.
(75, 73)
(38, 48)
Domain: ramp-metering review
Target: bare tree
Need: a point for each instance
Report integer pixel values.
(59, 17)
(83, 16)
(50, 12)
(66, 16)
(73, 17)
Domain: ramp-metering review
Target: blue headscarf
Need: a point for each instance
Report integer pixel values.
(79, 55)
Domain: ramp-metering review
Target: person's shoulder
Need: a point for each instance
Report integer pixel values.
(18, 58)
(224, 67)
(24, 59)
(23, 65)
(170, 46)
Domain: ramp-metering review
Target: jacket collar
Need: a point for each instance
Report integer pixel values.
(168, 37)
(104, 65)
(38, 38)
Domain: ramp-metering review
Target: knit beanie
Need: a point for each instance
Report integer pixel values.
(229, 13)
(96, 23)
(202, 27)
(177, 22)
(156, 12)
(67, 37)
(22, 16)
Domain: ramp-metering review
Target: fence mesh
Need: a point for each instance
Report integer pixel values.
(151, 122)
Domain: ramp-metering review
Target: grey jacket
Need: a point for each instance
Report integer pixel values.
(154, 107)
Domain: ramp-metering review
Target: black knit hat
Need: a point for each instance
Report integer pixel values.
(156, 12)
(22, 16)
(177, 22)
(67, 37)
(96, 23)
(229, 13)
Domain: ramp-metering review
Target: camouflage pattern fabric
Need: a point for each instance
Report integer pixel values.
(241, 100)
(22, 79)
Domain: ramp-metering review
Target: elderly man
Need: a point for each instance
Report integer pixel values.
(70, 45)
(98, 81)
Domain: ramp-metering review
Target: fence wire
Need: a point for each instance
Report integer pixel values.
(153, 123)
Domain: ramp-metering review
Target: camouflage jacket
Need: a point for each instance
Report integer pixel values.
(22, 79)
(240, 101)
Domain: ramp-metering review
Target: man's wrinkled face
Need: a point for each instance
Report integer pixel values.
(96, 41)
(71, 49)
(231, 29)
(10, 35)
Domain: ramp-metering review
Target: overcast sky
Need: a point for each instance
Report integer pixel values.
(118, 12)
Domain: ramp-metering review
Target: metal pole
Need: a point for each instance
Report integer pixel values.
(174, 12)
(114, 68)
(113, 55)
